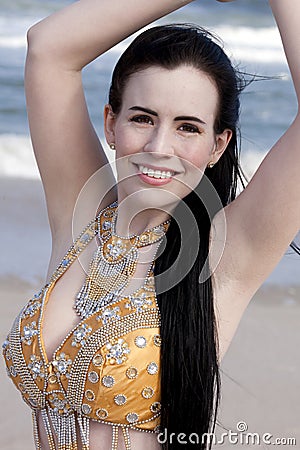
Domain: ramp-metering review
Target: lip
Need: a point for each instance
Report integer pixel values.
(151, 180)
(154, 181)
(162, 169)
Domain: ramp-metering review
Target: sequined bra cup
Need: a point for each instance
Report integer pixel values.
(105, 370)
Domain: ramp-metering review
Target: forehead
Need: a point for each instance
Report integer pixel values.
(184, 90)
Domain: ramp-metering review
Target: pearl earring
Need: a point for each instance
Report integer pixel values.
(210, 165)
(112, 146)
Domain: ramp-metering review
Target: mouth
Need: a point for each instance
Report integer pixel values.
(163, 174)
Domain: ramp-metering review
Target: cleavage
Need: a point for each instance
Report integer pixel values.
(59, 316)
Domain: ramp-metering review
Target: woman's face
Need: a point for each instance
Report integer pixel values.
(164, 133)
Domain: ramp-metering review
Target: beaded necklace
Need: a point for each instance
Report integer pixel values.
(113, 263)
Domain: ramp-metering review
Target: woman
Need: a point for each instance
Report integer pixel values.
(131, 363)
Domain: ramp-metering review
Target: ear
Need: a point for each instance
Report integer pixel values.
(222, 141)
(109, 124)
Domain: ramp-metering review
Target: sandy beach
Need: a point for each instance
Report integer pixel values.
(261, 382)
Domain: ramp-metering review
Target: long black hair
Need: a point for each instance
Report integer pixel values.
(190, 378)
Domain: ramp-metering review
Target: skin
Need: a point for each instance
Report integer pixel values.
(159, 139)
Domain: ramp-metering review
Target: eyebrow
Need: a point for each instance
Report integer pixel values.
(153, 113)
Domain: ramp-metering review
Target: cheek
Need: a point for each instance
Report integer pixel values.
(128, 142)
(196, 161)
(123, 145)
(196, 157)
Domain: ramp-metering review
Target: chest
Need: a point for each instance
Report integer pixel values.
(108, 357)
(59, 315)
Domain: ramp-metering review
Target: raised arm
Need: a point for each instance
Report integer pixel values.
(265, 218)
(66, 146)
(287, 15)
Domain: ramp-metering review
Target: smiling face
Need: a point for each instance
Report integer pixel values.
(164, 133)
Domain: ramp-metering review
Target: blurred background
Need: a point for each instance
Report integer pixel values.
(261, 382)
(250, 38)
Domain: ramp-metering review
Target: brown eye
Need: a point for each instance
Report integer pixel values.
(189, 128)
(142, 119)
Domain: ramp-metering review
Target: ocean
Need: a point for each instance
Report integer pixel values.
(250, 38)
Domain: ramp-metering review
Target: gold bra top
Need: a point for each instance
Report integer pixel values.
(106, 369)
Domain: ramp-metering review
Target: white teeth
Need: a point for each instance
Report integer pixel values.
(155, 173)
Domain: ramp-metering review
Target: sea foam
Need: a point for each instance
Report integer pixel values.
(17, 158)
(242, 43)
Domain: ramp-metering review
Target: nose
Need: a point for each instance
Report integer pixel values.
(160, 142)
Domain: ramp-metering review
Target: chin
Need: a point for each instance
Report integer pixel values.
(148, 198)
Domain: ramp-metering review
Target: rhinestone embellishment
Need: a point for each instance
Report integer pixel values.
(117, 351)
(109, 213)
(155, 407)
(108, 381)
(120, 399)
(152, 368)
(93, 377)
(65, 262)
(89, 395)
(109, 314)
(86, 409)
(62, 365)
(106, 234)
(13, 371)
(131, 372)
(5, 348)
(106, 225)
(157, 340)
(36, 367)
(98, 360)
(116, 249)
(101, 413)
(148, 392)
(139, 303)
(31, 309)
(5, 344)
(85, 238)
(52, 379)
(59, 403)
(29, 332)
(132, 417)
(140, 341)
(80, 335)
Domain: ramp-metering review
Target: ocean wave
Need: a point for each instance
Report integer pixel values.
(250, 161)
(242, 43)
(13, 41)
(252, 44)
(13, 31)
(17, 158)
